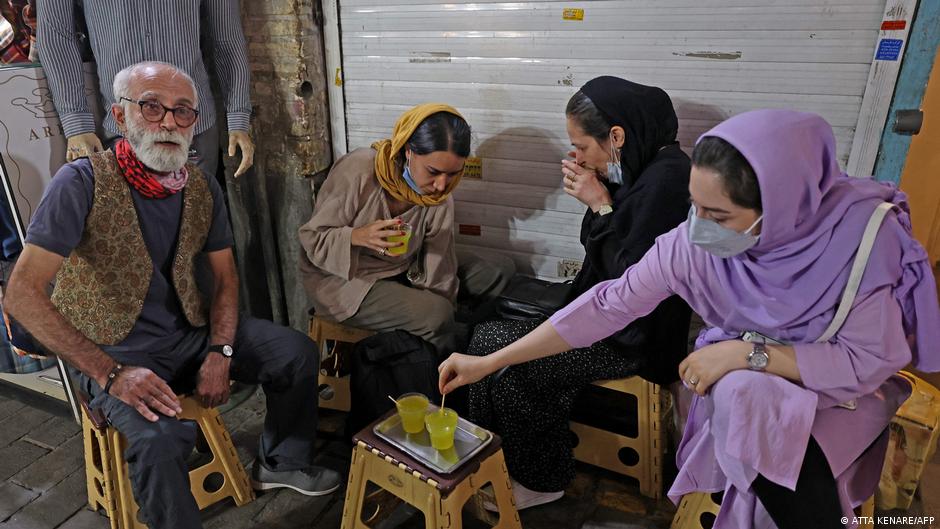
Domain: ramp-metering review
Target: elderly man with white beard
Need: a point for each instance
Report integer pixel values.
(122, 233)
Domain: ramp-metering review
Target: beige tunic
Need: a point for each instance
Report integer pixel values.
(336, 274)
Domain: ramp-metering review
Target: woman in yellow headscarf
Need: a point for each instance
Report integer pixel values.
(379, 250)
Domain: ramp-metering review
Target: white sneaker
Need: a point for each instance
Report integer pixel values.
(526, 498)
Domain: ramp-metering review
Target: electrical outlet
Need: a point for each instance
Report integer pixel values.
(568, 267)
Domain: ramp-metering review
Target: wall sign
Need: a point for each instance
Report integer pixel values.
(571, 13)
(32, 144)
(889, 49)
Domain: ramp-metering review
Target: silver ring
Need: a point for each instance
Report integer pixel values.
(384, 251)
(693, 382)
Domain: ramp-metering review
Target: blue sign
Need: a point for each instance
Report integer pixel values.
(889, 49)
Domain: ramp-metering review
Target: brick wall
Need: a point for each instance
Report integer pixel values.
(290, 127)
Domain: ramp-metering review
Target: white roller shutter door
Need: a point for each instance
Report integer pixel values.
(511, 67)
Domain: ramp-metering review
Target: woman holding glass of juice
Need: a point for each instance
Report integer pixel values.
(379, 250)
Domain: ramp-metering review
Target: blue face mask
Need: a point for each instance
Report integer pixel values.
(406, 174)
(614, 171)
(718, 240)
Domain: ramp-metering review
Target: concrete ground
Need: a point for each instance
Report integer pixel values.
(43, 482)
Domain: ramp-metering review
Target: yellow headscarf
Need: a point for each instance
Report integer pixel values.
(387, 169)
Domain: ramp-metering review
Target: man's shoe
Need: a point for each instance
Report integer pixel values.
(312, 481)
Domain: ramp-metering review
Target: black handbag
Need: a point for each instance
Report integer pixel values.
(527, 298)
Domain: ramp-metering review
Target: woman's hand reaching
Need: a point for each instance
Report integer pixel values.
(460, 370)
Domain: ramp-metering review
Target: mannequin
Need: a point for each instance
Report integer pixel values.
(134, 31)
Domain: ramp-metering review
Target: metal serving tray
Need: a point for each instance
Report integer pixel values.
(469, 439)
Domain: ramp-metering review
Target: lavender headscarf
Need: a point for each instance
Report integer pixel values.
(814, 216)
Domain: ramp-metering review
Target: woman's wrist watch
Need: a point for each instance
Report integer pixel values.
(758, 358)
(606, 209)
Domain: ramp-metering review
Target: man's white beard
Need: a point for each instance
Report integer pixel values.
(159, 158)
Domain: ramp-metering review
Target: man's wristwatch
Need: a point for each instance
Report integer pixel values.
(606, 209)
(223, 349)
(758, 358)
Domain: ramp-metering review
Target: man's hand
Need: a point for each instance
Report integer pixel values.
(141, 389)
(212, 385)
(82, 146)
(584, 184)
(242, 140)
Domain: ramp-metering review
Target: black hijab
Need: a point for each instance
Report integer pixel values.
(644, 112)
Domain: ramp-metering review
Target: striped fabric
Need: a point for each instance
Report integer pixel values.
(124, 32)
(6, 32)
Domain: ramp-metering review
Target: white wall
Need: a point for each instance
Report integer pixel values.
(511, 67)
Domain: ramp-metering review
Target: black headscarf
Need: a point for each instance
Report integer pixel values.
(645, 113)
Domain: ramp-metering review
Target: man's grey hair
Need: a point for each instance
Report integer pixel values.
(123, 78)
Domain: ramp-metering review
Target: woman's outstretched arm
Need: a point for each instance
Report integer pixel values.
(598, 313)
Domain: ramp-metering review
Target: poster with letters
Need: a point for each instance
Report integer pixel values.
(32, 144)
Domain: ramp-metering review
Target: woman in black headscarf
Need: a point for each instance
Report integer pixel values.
(630, 173)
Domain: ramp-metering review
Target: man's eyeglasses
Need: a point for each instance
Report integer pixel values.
(154, 112)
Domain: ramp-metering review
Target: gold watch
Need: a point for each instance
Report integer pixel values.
(605, 210)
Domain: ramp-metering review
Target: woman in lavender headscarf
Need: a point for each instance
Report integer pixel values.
(791, 426)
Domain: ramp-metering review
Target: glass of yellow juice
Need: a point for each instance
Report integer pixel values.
(442, 424)
(412, 407)
(404, 238)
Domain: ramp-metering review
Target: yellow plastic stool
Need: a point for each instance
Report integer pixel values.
(602, 448)
(699, 510)
(867, 511)
(99, 465)
(696, 511)
(109, 485)
(334, 386)
(914, 432)
(441, 497)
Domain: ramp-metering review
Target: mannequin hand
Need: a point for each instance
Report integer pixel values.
(82, 146)
(242, 140)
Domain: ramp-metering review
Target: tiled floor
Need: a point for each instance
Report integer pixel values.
(43, 482)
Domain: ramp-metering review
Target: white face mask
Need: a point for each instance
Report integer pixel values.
(614, 171)
(718, 240)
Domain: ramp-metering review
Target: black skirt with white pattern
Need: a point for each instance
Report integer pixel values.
(529, 404)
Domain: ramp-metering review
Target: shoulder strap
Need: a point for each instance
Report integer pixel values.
(858, 270)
